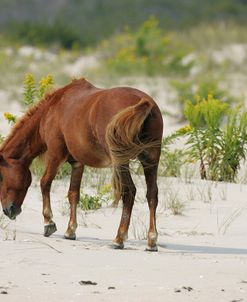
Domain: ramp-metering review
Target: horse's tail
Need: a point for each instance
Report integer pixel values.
(124, 141)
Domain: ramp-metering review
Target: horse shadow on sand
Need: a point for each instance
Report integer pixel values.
(166, 248)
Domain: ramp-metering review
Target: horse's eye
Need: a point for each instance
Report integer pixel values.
(1, 178)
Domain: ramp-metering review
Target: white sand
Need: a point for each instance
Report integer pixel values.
(195, 250)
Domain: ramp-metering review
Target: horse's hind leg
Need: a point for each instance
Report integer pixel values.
(74, 196)
(150, 170)
(128, 192)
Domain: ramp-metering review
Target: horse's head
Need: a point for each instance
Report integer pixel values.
(15, 178)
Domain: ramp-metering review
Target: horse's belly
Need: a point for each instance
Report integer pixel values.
(90, 155)
(95, 161)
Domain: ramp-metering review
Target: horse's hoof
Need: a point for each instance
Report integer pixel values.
(152, 248)
(117, 245)
(49, 229)
(70, 237)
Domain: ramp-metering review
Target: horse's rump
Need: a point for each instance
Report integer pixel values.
(125, 139)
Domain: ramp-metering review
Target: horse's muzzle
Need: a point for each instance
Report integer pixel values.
(12, 211)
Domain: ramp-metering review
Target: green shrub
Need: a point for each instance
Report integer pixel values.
(217, 138)
(44, 34)
(234, 140)
(147, 50)
(171, 162)
(89, 202)
(199, 89)
(94, 202)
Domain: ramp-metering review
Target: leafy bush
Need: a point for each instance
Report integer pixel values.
(199, 89)
(147, 50)
(94, 202)
(171, 163)
(89, 202)
(49, 21)
(217, 138)
(44, 34)
(234, 140)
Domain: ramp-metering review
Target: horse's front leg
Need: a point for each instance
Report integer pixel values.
(74, 196)
(45, 183)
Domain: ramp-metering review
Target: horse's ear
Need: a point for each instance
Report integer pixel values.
(2, 161)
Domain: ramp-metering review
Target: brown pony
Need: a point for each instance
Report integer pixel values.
(84, 125)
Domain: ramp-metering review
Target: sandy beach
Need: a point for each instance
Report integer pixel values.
(202, 254)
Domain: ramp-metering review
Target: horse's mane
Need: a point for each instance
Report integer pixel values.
(48, 100)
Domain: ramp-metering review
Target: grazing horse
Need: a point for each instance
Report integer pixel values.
(84, 125)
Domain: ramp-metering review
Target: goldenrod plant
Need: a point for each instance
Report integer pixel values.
(199, 88)
(217, 138)
(33, 92)
(10, 118)
(45, 84)
(30, 90)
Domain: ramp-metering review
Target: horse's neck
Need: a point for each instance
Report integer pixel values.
(25, 144)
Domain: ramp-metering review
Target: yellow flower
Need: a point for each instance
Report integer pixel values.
(46, 81)
(29, 79)
(10, 117)
(44, 84)
(210, 96)
(7, 115)
(185, 129)
(198, 98)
